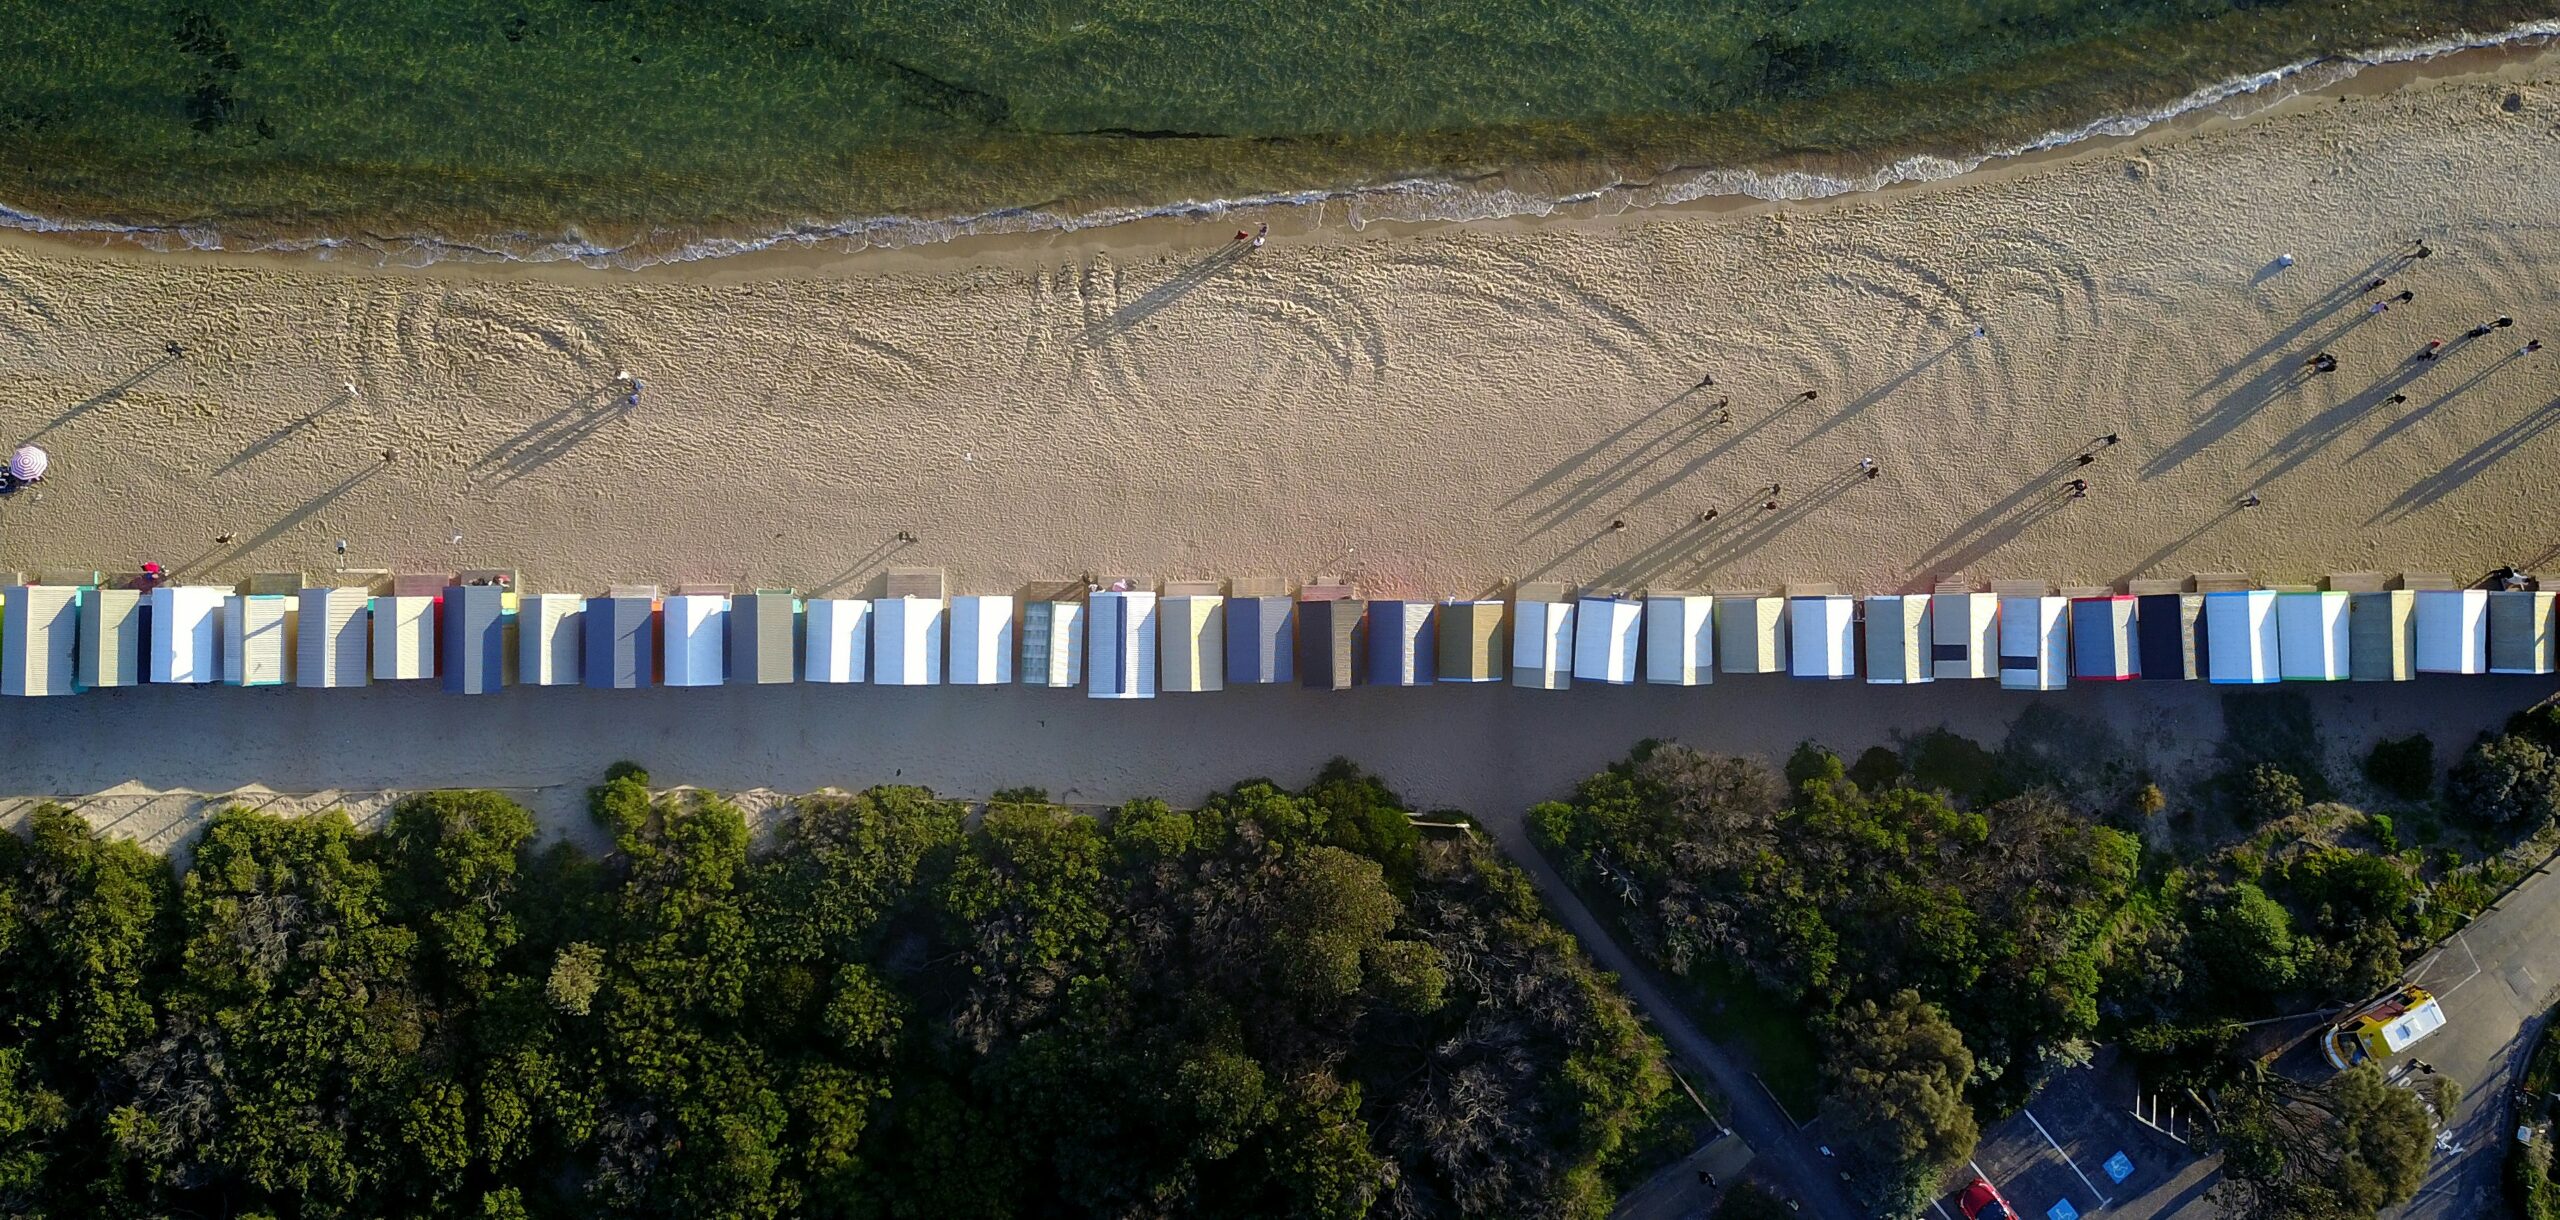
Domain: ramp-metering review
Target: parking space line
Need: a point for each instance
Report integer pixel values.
(2465, 942)
(2094, 1192)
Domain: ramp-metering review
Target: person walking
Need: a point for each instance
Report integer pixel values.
(2397, 399)
(1707, 380)
(1809, 395)
(2531, 346)
(1867, 465)
(2109, 439)
(2084, 459)
(2368, 289)
(2429, 351)
(2250, 501)
(2079, 489)
(2405, 297)
(2324, 363)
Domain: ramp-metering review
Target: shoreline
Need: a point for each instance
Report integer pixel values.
(818, 248)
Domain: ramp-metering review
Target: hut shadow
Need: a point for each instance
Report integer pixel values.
(2413, 418)
(550, 438)
(1161, 297)
(873, 558)
(2471, 465)
(106, 396)
(1879, 393)
(226, 552)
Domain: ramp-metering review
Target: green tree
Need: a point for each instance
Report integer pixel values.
(1896, 1104)
(2343, 1149)
(2510, 781)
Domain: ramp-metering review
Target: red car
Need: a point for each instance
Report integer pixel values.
(1982, 1201)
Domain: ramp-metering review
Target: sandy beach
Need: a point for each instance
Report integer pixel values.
(1436, 409)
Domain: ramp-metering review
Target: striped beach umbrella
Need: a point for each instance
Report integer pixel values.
(28, 463)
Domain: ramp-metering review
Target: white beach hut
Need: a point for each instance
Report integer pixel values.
(186, 633)
(1679, 639)
(906, 641)
(551, 633)
(1606, 634)
(2241, 637)
(336, 638)
(1053, 644)
(1542, 644)
(697, 635)
(839, 648)
(1120, 644)
(1823, 637)
(981, 640)
(2311, 635)
(2035, 643)
(404, 637)
(40, 645)
(2453, 631)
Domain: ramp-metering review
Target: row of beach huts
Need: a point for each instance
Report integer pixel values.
(478, 634)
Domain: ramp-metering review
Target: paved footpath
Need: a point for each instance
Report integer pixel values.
(1783, 1153)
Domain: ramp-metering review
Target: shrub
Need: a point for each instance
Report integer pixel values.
(2265, 793)
(1876, 770)
(2509, 781)
(2405, 767)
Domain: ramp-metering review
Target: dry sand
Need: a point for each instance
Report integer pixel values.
(1423, 410)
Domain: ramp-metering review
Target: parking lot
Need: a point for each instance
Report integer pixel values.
(2079, 1150)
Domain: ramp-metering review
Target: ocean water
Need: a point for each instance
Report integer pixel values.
(633, 131)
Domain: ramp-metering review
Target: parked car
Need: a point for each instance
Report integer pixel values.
(1982, 1201)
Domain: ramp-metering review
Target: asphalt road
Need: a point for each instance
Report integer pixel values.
(2495, 979)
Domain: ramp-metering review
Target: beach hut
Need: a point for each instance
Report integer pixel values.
(2520, 639)
(1191, 643)
(2104, 644)
(2035, 642)
(981, 640)
(1404, 643)
(764, 638)
(476, 639)
(2382, 633)
(1333, 643)
(40, 648)
(2311, 635)
(1053, 645)
(839, 640)
(1473, 647)
(2240, 625)
(551, 631)
(1679, 639)
(257, 639)
(1120, 644)
(2169, 636)
(906, 641)
(1964, 635)
(186, 633)
(336, 638)
(1900, 634)
(697, 632)
(110, 637)
(1607, 631)
(1542, 639)
(621, 646)
(404, 637)
(1751, 635)
(2453, 631)
(1822, 637)
(1262, 640)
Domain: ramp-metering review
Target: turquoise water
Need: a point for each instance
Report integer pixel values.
(516, 122)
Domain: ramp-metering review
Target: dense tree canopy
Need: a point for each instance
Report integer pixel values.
(1942, 948)
(1283, 1004)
